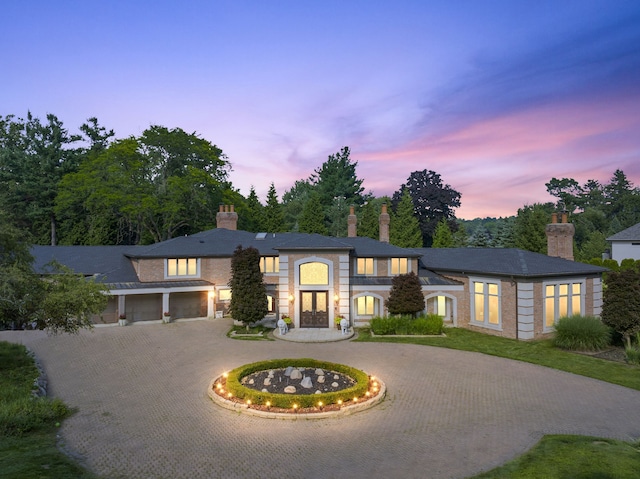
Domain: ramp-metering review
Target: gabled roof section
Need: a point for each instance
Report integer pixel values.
(510, 262)
(108, 263)
(630, 234)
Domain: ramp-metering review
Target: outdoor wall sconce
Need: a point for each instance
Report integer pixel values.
(336, 298)
(291, 298)
(212, 294)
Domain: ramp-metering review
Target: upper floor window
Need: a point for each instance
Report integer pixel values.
(399, 266)
(270, 264)
(314, 273)
(486, 303)
(561, 299)
(182, 267)
(364, 266)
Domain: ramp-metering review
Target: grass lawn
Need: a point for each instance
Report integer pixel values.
(536, 352)
(561, 457)
(28, 425)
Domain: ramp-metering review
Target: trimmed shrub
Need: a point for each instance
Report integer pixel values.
(582, 333)
(431, 324)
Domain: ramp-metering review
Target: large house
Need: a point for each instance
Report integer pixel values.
(313, 278)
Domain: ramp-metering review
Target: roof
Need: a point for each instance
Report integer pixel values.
(109, 263)
(630, 234)
(220, 242)
(511, 262)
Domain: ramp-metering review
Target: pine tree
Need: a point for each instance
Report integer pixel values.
(255, 213)
(404, 229)
(442, 238)
(273, 216)
(248, 291)
(405, 296)
(312, 217)
(621, 304)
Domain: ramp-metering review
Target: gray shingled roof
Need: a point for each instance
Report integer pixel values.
(502, 262)
(108, 263)
(630, 234)
(220, 242)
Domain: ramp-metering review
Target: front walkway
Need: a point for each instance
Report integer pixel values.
(143, 410)
(313, 335)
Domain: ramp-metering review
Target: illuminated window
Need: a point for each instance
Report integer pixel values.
(270, 304)
(365, 266)
(224, 295)
(486, 304)
(270, 264)
(314, 274)
(439, 305)
(561, 299)
(182, 267)
(399, 266)
(366, 305)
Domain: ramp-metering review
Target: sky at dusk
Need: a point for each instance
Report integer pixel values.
(496, 96)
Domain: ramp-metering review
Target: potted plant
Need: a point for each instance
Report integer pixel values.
(287, 320)
(122, 320)
(337, 319)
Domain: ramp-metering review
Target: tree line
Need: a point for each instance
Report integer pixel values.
(90, 188)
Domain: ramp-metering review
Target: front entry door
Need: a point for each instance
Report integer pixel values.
(313, 309)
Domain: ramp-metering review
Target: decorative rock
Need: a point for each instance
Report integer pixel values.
(271, 373)
(251, 381)
(306, 382)
(320, 379)
(267, 381)
(265, 390)
(287, 372)
(334, 385)
(290, 390)
(319, 372)
(318, 392)
(296, 374)
(335, 376)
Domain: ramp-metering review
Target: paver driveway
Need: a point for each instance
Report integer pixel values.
(143, 410)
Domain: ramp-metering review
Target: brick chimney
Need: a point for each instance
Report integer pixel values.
(227, 218)
(352, 222)
(560, 237)
(384, 224)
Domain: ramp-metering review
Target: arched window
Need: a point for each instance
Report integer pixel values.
(315, 273)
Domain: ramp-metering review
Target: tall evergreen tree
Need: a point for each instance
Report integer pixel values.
(273, 217)
(529, 228)
(293, 202)
(248, 291)
(621, 303)
(255, 213)
(442, 238)
(312, 217)
(404, 229)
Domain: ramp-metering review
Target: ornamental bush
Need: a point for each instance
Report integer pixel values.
(582, 333)
(431, 324)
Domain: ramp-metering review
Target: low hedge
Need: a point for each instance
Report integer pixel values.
(302, 400)
(431, 324)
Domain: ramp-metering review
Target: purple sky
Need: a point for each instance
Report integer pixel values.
(496, 96)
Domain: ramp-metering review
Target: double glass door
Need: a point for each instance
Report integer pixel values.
(314, 311)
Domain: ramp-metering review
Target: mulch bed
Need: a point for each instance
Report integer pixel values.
(611, 354)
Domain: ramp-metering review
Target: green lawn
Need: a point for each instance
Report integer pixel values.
(580, 457)
(536, 352)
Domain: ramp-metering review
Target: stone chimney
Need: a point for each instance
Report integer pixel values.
(560, 237)
(384, 224)
(227, 218)
(352, 221)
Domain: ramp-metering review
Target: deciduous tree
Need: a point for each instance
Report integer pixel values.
(405, 296)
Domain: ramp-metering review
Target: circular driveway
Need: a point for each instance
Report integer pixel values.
(143, 410)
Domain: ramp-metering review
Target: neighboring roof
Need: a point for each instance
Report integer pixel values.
(108, 263)
(502, 262)
(630, 234)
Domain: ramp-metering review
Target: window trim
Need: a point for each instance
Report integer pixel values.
(556, 313)
(472, 292)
